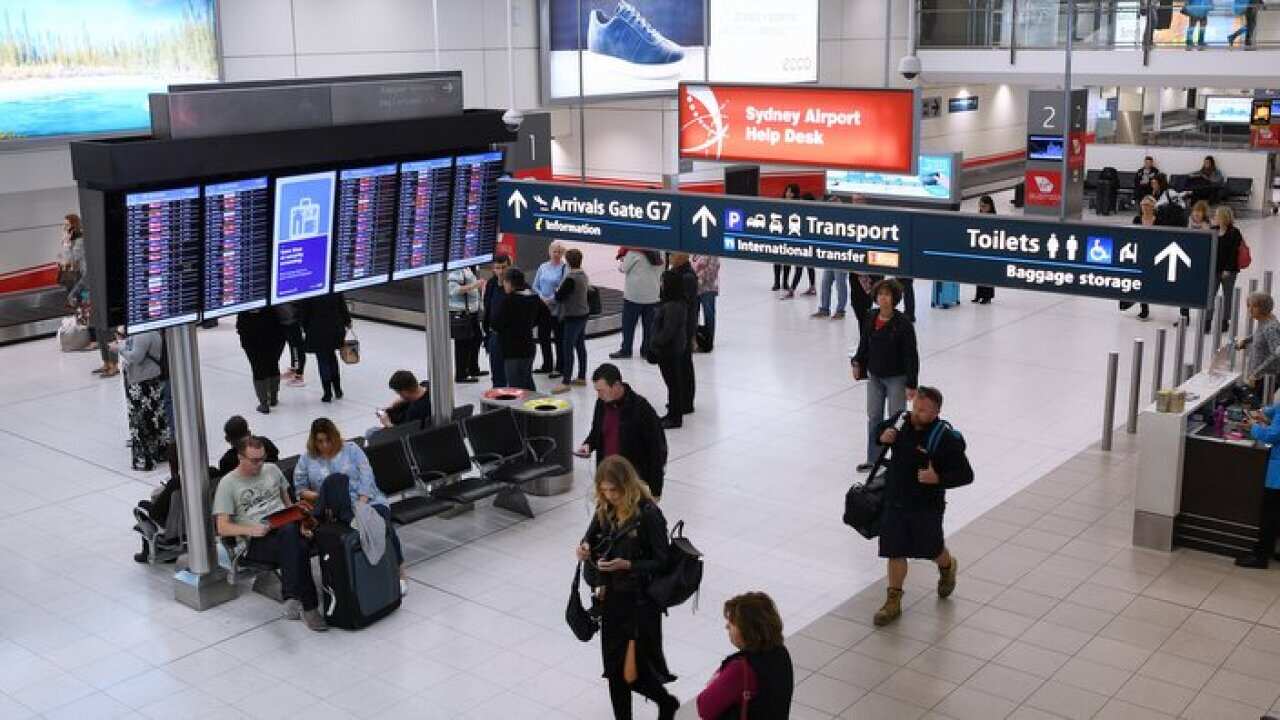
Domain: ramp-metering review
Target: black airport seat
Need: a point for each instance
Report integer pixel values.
(287, 466)
(1238, 189)
(462, 412)
(395, 433)
(507, 457)
(395, 478)
(1178, 182)
(440, 454)
(1125, 179)
(1091, 180)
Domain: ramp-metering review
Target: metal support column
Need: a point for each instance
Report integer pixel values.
(1248, 323)
(1157, 371)
(1068, 116)
(1233, 331)
(435, 307)
(1109, 401)
(1218, 310)
(1180, 353)
(1135, 387)
(1198, 330)
(202, 584)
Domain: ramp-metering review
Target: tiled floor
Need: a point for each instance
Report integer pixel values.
(1050, 598)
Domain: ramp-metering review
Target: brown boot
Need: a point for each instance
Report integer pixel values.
(947, 578)
(891, 609)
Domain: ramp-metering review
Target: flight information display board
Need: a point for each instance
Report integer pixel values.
(422, 229)
(475, 209)
(162, 247)
(366, 227)
(302, 236)
(237, 243)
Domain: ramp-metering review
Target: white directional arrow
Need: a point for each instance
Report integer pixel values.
(1174, 253)
(517, 203)
(704, 217)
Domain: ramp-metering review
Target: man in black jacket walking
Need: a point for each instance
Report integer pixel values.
(927, 458)
(624, 423)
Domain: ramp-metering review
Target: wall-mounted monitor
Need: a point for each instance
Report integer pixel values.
(162, 247)
(77, 67)
(365, 239)
(936, 181)
(475, 209)
(237, 246)
(1045, 147)
(1224, 110)
(302, 236)
(422, 228)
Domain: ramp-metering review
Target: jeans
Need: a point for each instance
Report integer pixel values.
(708, 302)
(497, 366)
(1203, 22)
(573, 341)
(1226, 281)
(286, 548)
(882, 392)
(840, 279)
(1250, 18)
(633, 313)
(520, 373)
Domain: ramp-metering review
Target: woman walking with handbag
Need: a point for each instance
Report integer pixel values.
(325, 321)
(464, 325)
(756, 681)
(625, 545)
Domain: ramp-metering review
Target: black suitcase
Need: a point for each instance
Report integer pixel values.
(355, 593)
(1105, 197)
(1019, 193)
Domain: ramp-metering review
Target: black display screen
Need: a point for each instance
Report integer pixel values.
(422, 229)
(366, 227)
(162, 247)
(475, 209)
(237, 246)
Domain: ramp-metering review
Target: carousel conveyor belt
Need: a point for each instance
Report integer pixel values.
(400, 303)
(31, 314)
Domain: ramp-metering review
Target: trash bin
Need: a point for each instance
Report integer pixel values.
(550, 417)
(505, 397)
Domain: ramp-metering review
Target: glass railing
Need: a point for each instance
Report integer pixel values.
(1113, 25)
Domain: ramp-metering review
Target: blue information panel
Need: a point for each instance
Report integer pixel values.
(817, 234)
(1165, 266)
(582, 213)
(302, 238)
(1124, 262)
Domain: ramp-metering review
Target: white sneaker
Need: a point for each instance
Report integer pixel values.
(404, 587)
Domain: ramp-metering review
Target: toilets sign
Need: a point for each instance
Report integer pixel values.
(1118, 262)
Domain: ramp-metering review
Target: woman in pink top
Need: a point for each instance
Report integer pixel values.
(756, 682)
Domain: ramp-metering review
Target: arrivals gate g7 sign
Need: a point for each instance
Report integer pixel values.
(838, 128)
(1119, 262)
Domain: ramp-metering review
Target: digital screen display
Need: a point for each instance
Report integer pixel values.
(366, 227)
(237, 245)
(475, 209)
(73, 67)
(302, 236)
(422, 229)
(1045, 147)
(936, 181)
(162, 247)
(640, 47)
(763, 41)
(1227, 110)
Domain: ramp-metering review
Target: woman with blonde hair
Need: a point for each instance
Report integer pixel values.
(1224, 277)
(625, 545)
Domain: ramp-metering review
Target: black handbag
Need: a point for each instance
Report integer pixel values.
(580, 621)
(594, 306)
(863, 506)
(682, 576)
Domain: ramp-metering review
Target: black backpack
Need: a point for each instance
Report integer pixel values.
(682, 576)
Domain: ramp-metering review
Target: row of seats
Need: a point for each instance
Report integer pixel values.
(1235, 191)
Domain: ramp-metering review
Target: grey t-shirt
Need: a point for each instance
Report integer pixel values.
(250, 499)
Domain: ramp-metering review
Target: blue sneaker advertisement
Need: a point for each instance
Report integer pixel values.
(303, 236)
(626, 46)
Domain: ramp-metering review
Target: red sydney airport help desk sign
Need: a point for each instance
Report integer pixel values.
(839, 128)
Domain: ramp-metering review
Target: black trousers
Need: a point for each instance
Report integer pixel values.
(620, 695)
(795, 280)
(287, 548)
(297, 355)
(327, 364)
(984, 292)
(466, 357)
(673, 375)
(264, 362)
(1268, 523)
(860, 301)
(549, 340)
(687, 377)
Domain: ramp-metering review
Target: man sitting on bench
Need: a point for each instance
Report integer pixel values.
(245, 497)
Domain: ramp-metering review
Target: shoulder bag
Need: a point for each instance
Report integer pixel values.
(683, 575)
(1244, 258)
(580, 621)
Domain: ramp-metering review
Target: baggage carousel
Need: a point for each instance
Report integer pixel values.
(31, 314)
(400, 303)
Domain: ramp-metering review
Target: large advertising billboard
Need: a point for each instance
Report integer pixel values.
(763, 41)
(840, 128)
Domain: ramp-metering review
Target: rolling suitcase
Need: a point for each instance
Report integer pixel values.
(1019, 194)
(945, 294)
(1105, 197)
(355, 594)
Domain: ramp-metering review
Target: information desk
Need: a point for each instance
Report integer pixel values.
(1196, 489)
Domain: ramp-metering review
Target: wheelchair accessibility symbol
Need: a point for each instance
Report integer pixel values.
(1099, 250)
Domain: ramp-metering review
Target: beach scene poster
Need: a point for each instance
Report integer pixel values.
(76, 67)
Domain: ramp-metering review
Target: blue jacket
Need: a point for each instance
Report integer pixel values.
(1198, 8)
(1270, 434)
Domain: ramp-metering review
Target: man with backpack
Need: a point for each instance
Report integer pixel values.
(927, 457)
